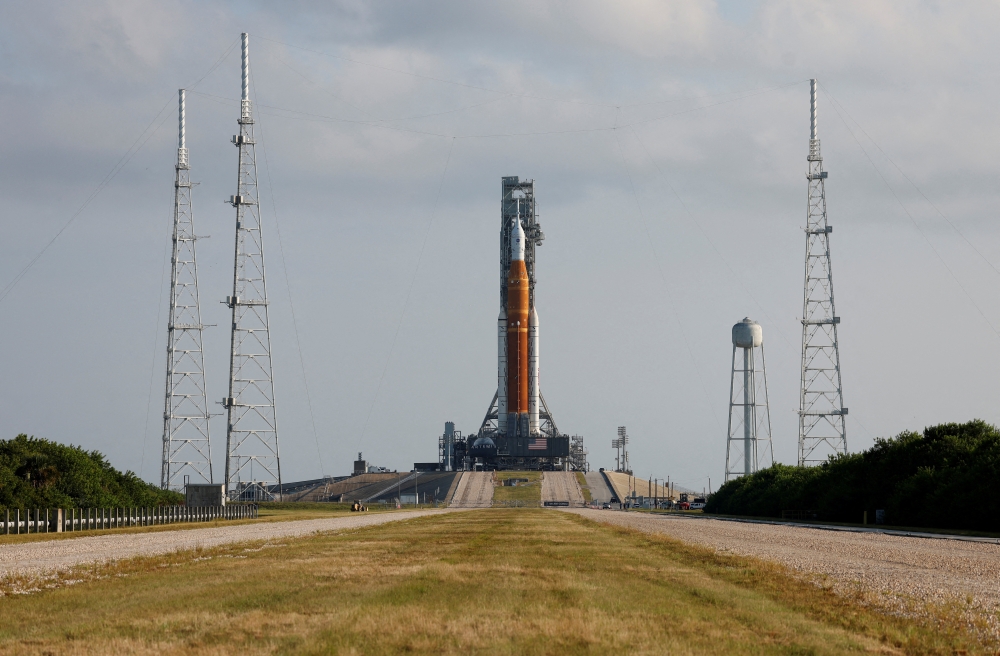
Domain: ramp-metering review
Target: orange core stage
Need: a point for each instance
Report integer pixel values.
(517, 338)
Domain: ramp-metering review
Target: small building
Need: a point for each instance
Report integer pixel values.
(360, 465)
(199, 495)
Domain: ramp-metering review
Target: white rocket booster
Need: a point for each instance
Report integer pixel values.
(502, 372)
(533, 402)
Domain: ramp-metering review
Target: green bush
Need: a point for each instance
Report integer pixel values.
(37, 473)
(947, 477)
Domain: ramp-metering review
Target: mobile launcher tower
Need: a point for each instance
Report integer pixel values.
(518, 431)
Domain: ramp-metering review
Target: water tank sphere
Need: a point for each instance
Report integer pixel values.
(747, 334)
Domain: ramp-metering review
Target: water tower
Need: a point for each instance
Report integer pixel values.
(748, 445)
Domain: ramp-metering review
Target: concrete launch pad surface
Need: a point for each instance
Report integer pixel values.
(562, 486)
(475, 490)
(53, 555)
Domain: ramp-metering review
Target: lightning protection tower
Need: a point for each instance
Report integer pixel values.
(253, 470)
(748, 444)
(620, 444)
(821, 399)
(186, 445)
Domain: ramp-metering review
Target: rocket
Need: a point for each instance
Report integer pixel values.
(517, 344)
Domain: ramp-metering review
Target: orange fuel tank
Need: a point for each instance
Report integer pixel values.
(517, 336)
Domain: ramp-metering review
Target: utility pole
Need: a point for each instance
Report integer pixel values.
(253, 469)
(187, 448)
(821, 399)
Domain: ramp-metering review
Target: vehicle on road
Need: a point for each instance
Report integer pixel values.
(606, 506)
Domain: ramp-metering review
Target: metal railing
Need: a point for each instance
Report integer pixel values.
(58, 520)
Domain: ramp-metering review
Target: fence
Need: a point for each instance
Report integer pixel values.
(58, 520)
(516, 503)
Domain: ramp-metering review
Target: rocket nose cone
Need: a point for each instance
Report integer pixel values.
(516, 240)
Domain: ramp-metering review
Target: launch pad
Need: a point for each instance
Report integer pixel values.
(518, 431)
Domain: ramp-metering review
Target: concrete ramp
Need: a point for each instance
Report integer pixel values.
(600, 491)
(475, 490)
(562, 487)
(624, 484)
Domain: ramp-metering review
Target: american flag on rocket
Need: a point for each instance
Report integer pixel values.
(538, 444)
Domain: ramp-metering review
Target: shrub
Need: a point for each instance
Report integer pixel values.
(38, 473)
(947, 477)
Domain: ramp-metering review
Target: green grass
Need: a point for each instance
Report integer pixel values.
(582, 480)
(529, 493)
(491, 581)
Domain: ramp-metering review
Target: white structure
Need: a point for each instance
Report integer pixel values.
(822, 432)
(253, 471)
(748, 444)
(533, 389)
(501, 398)
(187, 452)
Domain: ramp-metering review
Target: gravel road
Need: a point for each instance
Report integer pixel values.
(475, 490)
(898, 573)
(51, 555)
(562, 486)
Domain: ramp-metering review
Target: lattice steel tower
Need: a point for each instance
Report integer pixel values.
(748, 445)
(253, 470)
(186, 447)
(821, 399)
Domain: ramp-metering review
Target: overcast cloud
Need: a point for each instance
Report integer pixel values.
(700, 107)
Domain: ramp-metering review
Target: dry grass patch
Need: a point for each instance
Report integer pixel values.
(490, 581)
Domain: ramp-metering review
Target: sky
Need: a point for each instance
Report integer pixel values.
(668, 144)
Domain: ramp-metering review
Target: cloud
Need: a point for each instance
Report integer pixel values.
(661, 232)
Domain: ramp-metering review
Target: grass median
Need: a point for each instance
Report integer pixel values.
(527, 491)
(490, 581)
(582, 480)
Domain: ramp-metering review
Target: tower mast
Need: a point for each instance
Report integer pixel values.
(186, 446)
(253, 470)
(821, 399)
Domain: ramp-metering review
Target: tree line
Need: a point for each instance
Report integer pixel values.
(946, 477)
(39, 473)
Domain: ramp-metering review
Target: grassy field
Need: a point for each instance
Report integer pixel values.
(490, 581)
(529, 493)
